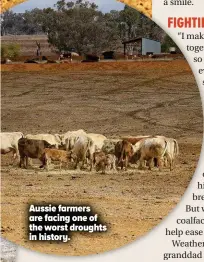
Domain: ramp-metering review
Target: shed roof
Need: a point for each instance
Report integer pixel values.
(134, 40)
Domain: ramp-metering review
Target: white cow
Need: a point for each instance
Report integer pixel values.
(98, 140)
(54, 140)
(172, 150)
(69, 139)
(9, 143)
(153, 148)
(83, 148)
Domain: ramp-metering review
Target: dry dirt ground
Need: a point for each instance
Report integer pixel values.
(115, 99)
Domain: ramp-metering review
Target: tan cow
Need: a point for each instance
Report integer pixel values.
(56, 155)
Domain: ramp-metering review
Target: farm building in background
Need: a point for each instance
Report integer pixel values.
(141, 46)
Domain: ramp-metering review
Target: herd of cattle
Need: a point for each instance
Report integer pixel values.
(94, 151)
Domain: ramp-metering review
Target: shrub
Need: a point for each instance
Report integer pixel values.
(11, 51)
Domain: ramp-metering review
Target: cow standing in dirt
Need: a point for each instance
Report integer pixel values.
(56, 155)
(102, 161)
(9, 143)
(84, 148)
(69, 139)
(99, 161)
(172, 152)
(30, 148)
(150, 149)
(98, 140)
(123, 152)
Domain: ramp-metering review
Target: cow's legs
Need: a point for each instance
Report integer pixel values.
(21, 163)
(14, 151)
(141, 163)
(103, 167)
(173, 163)
(91, 163)
(170, 160)
(165, 161)
(26, 162)
(160, 163)
(114, 165)
(60, 165)
(14, 155)
(67, 161)
(150, 163)
(126, 162)
(47, 162)
(76, 163)
(44, 160)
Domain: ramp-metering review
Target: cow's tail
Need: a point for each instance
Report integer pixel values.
(67, 143)
(176, 147)
(165, 148)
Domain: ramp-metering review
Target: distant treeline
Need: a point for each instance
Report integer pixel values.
(81, 27)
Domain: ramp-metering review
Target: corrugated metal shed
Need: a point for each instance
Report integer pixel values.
(142, 46)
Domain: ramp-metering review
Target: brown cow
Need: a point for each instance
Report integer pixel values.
(102, 161)
(99, 161)
(29, 148)
(56, 155)
(123, 152)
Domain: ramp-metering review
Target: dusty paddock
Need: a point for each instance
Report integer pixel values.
(114, 99)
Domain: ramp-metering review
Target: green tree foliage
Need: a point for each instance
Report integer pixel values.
(80, 26)
(17, 24)
(167, 43)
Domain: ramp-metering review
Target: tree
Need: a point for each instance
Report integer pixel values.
(129, 20)
(16, 24)
(80, 26)
(168, 42)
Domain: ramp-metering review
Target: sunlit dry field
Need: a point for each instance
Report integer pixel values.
(114, 99)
